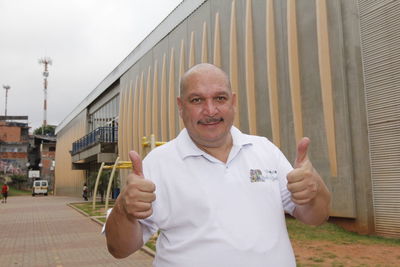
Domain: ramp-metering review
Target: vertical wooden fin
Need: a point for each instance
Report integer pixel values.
(204, 45)
(181, 72)
(129, 131)
(233, 63)
(217, 42)
(164, 108)
(148, 104)
(326, 82)
(192, 58)
(125, 134)
(249, 73)
(120, 121)
(171, 90)
(272, 73)
(294, 71)
(154, 105)
(136, 138)
(141, 114)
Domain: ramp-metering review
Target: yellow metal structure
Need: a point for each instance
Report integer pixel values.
(152, 143)
(96, 185)
(120, 165)
(114, 167)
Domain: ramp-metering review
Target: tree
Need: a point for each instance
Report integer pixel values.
(18, 180)
(47, 130)
(103, 182)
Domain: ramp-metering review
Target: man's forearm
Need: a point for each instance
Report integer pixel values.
(124, 236)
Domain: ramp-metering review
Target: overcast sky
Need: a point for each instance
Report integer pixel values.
(86, 39)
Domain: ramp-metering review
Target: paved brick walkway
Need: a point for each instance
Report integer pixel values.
(44, 231)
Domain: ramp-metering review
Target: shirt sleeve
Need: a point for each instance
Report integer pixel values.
(103, 229)
(284, 167)
(148, 229)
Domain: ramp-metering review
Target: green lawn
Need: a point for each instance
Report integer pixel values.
(331, 245)
(87, 208)
(16, 192)
(298, 231)
(333, 233)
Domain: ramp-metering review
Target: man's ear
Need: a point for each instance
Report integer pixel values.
(234, 101)
(180, 105)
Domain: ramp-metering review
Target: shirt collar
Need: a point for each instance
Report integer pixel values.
(187, 148)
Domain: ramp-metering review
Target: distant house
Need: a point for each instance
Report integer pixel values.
(14, 143)
(42, 157)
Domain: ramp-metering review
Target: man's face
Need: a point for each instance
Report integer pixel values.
(207, 108)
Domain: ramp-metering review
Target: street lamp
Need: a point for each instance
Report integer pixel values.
(6, 87)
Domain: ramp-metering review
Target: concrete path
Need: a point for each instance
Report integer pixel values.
(44, 231)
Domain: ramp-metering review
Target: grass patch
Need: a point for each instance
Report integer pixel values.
(297, 231)
(337, 264)
(316, 259)
(152, 242)
(102, 219)
(329, 255)
(333, 233)
(98, 211)
(151, 245)
(17, 192)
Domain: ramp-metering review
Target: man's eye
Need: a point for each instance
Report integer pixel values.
(195, 100)
(221, 98)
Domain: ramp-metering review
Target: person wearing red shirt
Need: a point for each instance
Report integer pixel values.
(4, 191)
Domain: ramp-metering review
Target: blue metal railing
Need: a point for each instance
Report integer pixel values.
(104, 134)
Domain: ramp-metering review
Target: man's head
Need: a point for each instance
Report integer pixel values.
(207, 105)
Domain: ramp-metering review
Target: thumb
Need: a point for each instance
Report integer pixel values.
(136, 163)
(301, 153)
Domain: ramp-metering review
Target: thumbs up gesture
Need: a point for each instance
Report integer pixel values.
(303, 180)
(138, 195)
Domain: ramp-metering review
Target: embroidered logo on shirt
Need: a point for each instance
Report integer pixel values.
(256, 175)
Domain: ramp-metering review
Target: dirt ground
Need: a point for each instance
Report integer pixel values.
(323, 253)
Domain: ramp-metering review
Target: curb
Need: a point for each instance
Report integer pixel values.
(94, 218)
(78, 210)
(148, 251)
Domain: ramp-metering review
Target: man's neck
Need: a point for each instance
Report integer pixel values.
(220, 152)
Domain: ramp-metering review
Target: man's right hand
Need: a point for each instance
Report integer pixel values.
(138, 195)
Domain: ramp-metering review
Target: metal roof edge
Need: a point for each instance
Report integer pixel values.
(181, 12)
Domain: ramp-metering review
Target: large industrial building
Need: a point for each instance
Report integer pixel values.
(324, 69)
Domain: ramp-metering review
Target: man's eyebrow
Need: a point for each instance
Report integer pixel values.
(215, 93)
(193, 95)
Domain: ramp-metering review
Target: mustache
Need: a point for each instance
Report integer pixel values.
(210, 120)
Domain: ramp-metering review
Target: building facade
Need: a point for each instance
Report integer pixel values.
(322, 69)
(14, 144)
(41, 156)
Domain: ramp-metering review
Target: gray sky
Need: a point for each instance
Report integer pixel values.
(86, 39)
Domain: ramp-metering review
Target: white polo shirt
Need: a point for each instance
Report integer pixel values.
(211, 213)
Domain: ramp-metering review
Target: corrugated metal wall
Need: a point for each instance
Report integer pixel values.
(380, 36)
(68, 181)
(286, 64)
(296, 68)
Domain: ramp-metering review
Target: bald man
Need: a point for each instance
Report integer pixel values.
(218, 197)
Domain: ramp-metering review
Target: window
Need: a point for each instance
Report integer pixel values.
(105, 114)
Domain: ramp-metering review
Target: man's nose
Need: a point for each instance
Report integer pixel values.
(210, 108)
